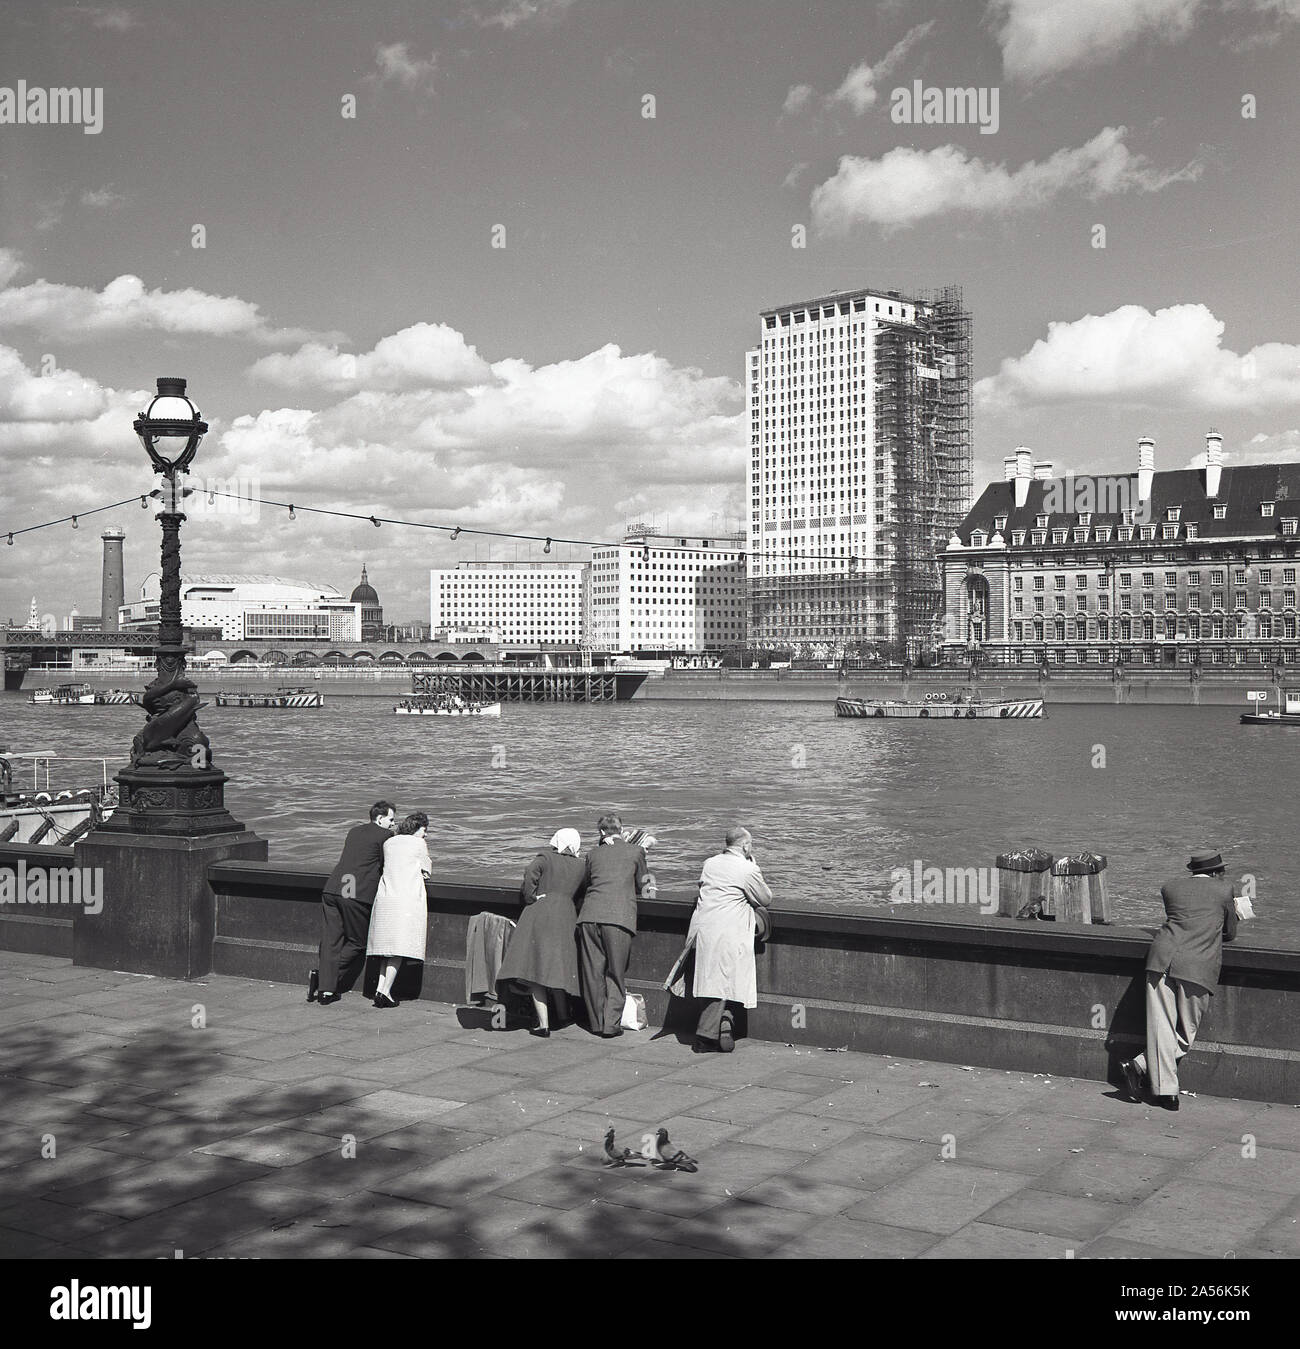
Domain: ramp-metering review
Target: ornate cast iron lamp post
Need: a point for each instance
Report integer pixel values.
(171, 786)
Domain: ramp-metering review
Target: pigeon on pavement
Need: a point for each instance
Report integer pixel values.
(672, 1161)
(616, 1158)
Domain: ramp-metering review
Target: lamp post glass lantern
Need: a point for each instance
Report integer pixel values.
(171, 786)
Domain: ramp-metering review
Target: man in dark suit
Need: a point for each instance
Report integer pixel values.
(346, 902)
(616, 876)
(1183, 967)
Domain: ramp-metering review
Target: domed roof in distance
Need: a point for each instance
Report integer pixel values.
(365, 592)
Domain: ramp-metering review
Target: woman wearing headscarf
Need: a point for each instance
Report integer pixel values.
(543, 953)
(399, 922)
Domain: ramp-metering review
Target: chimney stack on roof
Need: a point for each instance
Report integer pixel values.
(1146, 467)
(1043, 470)
(1213, 463)
(1009, 468)
(1024, 474)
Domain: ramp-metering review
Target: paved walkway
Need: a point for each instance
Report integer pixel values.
(232, 1118)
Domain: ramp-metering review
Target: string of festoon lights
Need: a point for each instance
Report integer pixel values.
(452, 531)
(11, 534)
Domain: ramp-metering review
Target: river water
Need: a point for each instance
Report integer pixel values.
(835, 805)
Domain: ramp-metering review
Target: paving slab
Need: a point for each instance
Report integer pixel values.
(939, 1197)
(843, 1239)
(982, 1241)
(1108, 1173)
(1230, 1219)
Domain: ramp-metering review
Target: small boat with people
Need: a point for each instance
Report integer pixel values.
(444, 705)
(963, 705)
(282, 697)
(1286, 713)
(45, 812)
(65, 695)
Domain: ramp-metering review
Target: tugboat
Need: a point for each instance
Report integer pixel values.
(444, 705)
(962, 705)
(65, 695)
(282, 697)
(1287, 712)
(16, 666)
(52, 817)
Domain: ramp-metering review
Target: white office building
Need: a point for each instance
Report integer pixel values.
(860, 466)
(658, 592)
(254, 607)
(529, 604)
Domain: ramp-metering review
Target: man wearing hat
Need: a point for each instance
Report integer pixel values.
(1182, 969)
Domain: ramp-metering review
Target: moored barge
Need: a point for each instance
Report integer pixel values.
(939, 706)
(295, 698)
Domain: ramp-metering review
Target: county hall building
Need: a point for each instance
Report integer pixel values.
(1183, 567)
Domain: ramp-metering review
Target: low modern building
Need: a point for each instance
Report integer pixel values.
(1184, 566)
(254, 607)
(662, 593)
(532, 604)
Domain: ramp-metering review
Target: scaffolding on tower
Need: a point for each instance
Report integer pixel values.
(923, 421)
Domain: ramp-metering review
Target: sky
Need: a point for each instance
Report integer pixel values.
(496, 263)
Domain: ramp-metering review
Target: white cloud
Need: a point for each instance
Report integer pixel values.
(796, 99)
(102, 199)
(107, 18)
(395, 65)
(1042, 38)
(79, 313)
(1282, 447)
(1172, 358)
(906, 186)
(510, 14)
(60, 396)
(791, 179)
(858, 88)
(421, 356)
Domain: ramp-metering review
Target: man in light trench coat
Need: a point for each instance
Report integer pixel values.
(721, 935)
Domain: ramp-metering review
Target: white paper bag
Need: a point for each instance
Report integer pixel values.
(1244, 909)
(634, 1017)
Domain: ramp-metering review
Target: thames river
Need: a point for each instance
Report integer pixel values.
(834, 805)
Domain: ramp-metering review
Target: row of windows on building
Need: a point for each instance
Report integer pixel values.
(1169, 627)
(836, 309)
(1129, 603)
(1217, 575)
(1122, 533)
(1137, 656)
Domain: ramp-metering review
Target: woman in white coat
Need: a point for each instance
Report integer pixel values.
(399, 920)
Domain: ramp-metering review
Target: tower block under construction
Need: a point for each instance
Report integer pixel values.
(860, 468)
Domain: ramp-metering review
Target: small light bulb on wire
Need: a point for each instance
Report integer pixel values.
(374, 522)
(10, 540)
(292, 514)
(212, 496)
(144, 503)
(455, 534)
(547, 549)
(74, 522)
